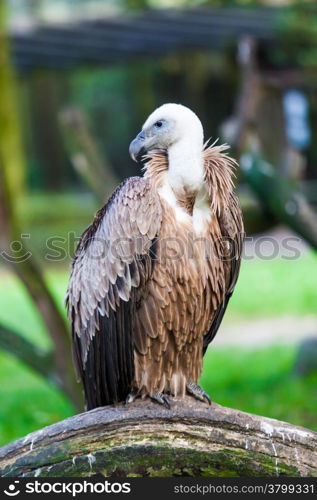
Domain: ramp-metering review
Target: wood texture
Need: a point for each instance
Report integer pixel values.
(144, 439)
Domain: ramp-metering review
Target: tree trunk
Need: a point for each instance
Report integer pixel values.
(13, 250)
(39, 360)
(24, 266)
(11, 154)
(144, 439)
(280, 197)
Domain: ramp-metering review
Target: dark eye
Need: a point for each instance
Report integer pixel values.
(158, 124)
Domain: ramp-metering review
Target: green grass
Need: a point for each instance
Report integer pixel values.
(275, 287)
(18, 312)
(60, 216)
(27, 401)
(261, 382)
(50, 207)
(257, 381)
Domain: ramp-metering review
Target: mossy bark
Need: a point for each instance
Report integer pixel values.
(145, 440)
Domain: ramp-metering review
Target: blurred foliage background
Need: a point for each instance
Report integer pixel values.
(249, 70)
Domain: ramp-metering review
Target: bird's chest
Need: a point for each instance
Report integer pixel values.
(186, 282)
(187, 279)
(186, 211)
(187, 253)
(186, 249)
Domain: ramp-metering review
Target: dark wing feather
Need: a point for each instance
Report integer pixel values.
(231, 226)
(110, 271)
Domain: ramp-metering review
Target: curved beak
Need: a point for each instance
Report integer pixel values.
(137, 146)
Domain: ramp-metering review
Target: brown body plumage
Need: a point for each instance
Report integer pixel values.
(150, 284)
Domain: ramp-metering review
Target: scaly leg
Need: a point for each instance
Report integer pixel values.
(197, 392)
(160, 398)
(131, 397)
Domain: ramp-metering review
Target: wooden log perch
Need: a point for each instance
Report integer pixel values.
(144, 439)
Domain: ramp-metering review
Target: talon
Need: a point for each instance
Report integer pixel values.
(198, 392)
(161, 399)
(131, 397)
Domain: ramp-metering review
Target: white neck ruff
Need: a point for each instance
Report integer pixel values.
(185, 166)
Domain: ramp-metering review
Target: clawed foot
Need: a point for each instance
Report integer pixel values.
(159, 397)
(162, 399)
(131, 397)
(197, 392)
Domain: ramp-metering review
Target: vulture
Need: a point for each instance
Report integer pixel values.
(152, 275)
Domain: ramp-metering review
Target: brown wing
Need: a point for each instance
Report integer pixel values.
(110, 271)
(232, 230)
(219, 171)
